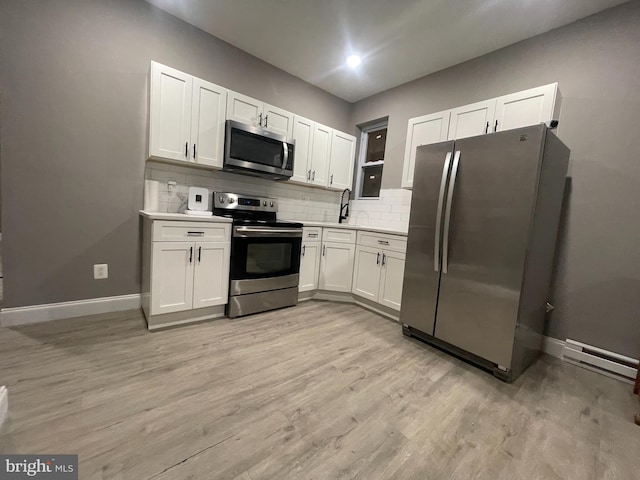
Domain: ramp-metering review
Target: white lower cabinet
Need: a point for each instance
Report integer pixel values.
(171, 277)
(391, 279)
(181, 273)
(378, 273)
(366, 273)
(336, 266)
(211, 274)
(309, 266)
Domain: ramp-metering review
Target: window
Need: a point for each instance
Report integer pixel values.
(373, 140)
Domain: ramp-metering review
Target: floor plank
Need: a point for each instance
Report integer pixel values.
(318, 391)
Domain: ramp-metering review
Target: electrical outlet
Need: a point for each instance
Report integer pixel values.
(100, 271)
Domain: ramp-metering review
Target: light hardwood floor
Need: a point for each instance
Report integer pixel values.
(318, 391)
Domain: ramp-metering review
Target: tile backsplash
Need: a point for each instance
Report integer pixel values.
(294, 202)
(390, 210)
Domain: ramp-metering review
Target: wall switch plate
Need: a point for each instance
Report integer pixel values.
(100, 271)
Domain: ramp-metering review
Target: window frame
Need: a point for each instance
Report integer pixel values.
(361, 164)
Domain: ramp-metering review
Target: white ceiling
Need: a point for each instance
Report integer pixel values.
(399, 40)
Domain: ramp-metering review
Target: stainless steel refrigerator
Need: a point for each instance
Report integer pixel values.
(482, 233)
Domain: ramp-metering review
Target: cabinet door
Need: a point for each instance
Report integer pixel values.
(343, 150)
(277, 120)
(244, 109)
(171, 277)
(336, 267)
(303, 135)
(207, 123)
(422, 131)
(391, 279)
(528, 107)
(366, 272)
(472, 120)
(169, 113)
(309, 266)
(320, 155)
(211, 274)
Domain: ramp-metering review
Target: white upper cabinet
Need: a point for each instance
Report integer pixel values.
(242, 108)
(207, 123)
(277, 120)
(303, 135)
(342, 159)
(472, 120)
(528, 107)
(320, 155)
(170, 113)
(422, 131)
(186, 117)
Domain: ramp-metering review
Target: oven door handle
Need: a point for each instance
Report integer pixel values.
(266, 232)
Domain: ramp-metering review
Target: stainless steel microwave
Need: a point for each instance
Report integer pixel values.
(256, 151)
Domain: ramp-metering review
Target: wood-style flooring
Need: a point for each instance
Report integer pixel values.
(318, 391)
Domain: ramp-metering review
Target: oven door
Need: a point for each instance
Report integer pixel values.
(264, 258)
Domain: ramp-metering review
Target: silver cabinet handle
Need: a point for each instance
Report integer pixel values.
(331, 180)
(383, 242)
(384, 259)
(443, 184)
(260, 119)
(194, 150)
(378, 259)
(186, 149)
(266, 121)
(324, 250)
(303, 249)
(195, 234)
(199, 254)
(285, 147)
(190, 254)
(309, 175)
(447, 219)
(313, 176)
(314, 235)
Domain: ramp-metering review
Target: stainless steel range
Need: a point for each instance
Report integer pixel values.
(265, 254)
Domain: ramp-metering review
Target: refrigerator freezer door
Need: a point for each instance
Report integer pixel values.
(489, 225)
(422, 267)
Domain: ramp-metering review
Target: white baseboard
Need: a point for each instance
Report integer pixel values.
(4, 405)
(553, 347)
(10, 317)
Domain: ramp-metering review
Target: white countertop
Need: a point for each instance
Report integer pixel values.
(353, 227)
(184, 217)
(216, 219)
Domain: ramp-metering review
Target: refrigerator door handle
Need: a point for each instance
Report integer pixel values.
(447, 217)
(443, 183)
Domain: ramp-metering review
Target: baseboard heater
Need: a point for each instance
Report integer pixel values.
(600, 360)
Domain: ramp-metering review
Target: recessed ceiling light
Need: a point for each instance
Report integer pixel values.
(353, 61)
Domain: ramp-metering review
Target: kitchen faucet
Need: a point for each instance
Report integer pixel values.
(344, 206)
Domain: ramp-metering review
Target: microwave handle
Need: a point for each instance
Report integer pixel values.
(285, 147)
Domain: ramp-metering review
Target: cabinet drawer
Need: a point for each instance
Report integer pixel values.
(169, 231)
(339, 235)
(380, 240)
(312, 234)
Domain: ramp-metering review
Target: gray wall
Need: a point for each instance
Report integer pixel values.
(74, 119)
(597, 63)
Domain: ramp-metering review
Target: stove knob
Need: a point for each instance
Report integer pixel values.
(221, 199)
(264, 203)
(272, 204)
(232, 200)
